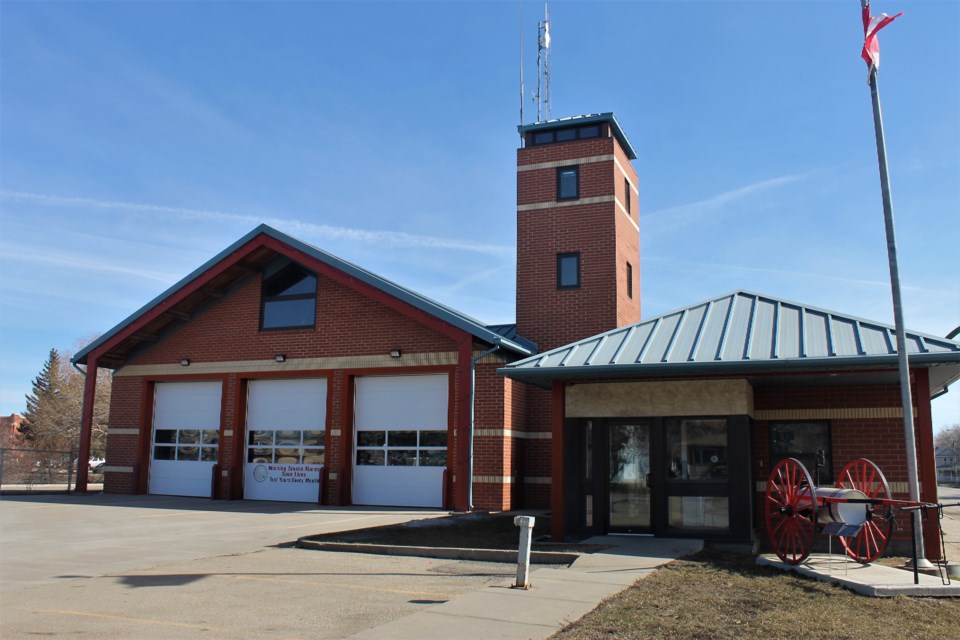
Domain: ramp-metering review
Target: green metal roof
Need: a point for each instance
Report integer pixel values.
(574, 121)
(741, 332)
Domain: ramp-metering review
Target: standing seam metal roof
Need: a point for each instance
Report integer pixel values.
(740, 329)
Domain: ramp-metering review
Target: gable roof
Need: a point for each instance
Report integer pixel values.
(740, 332)
(239, 261)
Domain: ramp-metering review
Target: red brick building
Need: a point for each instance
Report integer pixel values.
(10, 427)
(278, 371)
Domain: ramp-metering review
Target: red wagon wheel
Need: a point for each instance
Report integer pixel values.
(791, 511)
(869, 544)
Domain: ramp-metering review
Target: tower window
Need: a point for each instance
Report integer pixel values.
(568, 270)
(629, 280)
(543, 137)
(626, 192)
(289, 299)
(592, 131)
(568, 183)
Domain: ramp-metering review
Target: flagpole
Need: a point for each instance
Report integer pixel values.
(903, 361)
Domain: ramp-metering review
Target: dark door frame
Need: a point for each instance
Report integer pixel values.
(587, 478)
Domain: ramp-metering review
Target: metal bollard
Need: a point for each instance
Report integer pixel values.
(523, 557)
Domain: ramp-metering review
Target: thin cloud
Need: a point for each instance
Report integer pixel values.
(713, 266)
(47, 258)
(297, 227)
(675, 218)
(472, 279)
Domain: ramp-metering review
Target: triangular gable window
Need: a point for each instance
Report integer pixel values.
(289, 299)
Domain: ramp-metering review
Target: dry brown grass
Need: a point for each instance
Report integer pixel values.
(719, 596)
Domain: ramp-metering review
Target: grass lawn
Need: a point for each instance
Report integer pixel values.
(714, 595)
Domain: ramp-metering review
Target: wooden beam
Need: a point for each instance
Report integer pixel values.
(145, 337)
(212, 292)
(179, 315)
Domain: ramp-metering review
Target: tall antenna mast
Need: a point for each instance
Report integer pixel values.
(543, 66)
(546, 63)
(521, 68)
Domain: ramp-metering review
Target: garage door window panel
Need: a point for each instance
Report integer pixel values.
(371, 457)
(184, 444)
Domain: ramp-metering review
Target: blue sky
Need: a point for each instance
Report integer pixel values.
(138, 139)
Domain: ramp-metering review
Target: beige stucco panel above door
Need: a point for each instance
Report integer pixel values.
(673, 398)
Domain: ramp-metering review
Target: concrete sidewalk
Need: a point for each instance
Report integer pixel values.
(557, 597)
(876, 580)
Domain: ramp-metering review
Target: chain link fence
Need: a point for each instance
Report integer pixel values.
(38, 470)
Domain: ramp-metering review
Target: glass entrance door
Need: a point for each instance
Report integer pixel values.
(629, 478)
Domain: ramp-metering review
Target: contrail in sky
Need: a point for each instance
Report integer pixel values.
(295, 227)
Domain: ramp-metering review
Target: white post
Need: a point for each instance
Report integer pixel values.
(523, 557)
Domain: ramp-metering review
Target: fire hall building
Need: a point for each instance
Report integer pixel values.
(277, 371)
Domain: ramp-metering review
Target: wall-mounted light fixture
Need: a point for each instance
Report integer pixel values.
(280, 357)
(184, 362)
(395, 353)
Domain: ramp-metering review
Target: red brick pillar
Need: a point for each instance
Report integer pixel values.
(86, 423)
(926, 461)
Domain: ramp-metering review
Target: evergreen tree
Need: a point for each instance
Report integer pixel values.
(54, 408)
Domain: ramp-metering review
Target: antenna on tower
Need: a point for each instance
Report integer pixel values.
(542, 96)
(521, 69)
(546, 63)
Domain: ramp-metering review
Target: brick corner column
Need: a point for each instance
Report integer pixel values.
(86, 423)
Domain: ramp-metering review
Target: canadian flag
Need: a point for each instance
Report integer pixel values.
(872, 26)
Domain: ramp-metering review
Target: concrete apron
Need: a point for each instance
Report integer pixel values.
(556, 597)
(874, 580)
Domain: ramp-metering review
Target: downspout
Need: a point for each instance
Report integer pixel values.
(473, 397)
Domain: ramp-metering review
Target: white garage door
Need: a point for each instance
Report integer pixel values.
(401, 440)
(186, 436)
(286, 429)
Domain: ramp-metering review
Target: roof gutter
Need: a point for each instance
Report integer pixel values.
(533, 374)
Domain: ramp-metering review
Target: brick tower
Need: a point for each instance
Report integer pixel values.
(578, 234)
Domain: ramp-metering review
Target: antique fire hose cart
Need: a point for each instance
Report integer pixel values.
(859, 511)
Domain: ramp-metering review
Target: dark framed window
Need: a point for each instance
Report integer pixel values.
(629, 280)
(802, 440)
(567, 134)
(289, 299)
(568, 183)
(568, 270)
(626, 194)
(543, 137)
(590, 131)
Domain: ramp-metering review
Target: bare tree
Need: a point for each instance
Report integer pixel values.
(55, 406)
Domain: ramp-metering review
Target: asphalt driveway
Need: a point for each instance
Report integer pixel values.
(157, 567)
